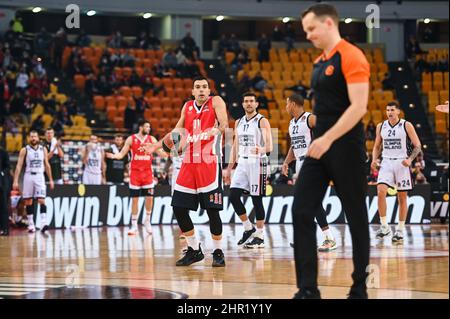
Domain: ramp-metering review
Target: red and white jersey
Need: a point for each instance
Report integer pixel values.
(197, 121)
(140, 161)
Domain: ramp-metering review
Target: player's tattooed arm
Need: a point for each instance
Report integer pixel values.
(415, 142)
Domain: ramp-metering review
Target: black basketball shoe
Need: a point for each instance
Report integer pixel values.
(247, 234)
(218, 258)
(191, 256)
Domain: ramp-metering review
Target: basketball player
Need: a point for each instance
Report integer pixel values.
(252, 143)
(392, 140)
(340, 82)
(204, 119)
(35, 157)
(94, 163)
(55, 154)
(300, 131)
(141, 174)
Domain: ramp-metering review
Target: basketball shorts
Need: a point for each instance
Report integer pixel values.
(394, 174)
(92, 179)
(141, 183)
(34, 186)
(199, 183)
(251, 176)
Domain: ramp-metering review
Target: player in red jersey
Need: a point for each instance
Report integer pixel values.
(141, 173)
(199, 181)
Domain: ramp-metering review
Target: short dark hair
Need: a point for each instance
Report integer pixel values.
(33, 132)
(297, 99)
(200, 78)
(393, 103)
(142, 122)
(118, 135)
(249, 94)
(321, 10)
(49, 129)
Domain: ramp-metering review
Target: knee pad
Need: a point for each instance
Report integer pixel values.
(259, 208)
(43, 209)
(183, 219)
(30, 209)
(215, 223)
(235, 199)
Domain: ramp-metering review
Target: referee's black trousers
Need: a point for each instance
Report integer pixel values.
(344, 165)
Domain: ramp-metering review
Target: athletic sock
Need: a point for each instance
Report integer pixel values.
(192, 242)
(247, 225)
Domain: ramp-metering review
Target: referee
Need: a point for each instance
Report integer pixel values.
(340, 83)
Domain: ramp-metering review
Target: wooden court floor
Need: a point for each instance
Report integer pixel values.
(96, 257)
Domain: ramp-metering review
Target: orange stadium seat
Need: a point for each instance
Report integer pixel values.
(80, 81)
(99, 102)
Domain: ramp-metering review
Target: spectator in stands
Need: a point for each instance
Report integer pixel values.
(37, 125)
(189, 47)
(301, 89)
(103, 86)
(264, 46)
(127, 60)
(83, 39)
(130, 117)
(290, 36)
(17, 25)
(140, 106)
(387, 82)
(234, 44)
(17, 103)
(169, 60)
(7, 59)
(22, 80)
(371, 131)
(442, 65)
(42, 43)
(277, 34)
(412, 47)
(244, 84)
(71, 106)
(141, 41)
(59, 42)
(223, 45)
(57, 126)
(154, 42)
(259, 83)
(90, 87)
(263, 102)
(38, 68)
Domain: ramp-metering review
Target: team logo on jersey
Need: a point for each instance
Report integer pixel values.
(190, 108)
(329, 70)
(400, 125)
(303, 118)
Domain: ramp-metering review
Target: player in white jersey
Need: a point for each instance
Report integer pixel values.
(392, 142)
(94, 163)
(36, 162)
(252, 143)
(300, 132)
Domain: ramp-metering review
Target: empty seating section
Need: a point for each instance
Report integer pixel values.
(164, 106)
(288, 69)
(435, 85)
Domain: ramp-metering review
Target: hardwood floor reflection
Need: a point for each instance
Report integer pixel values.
(108, 256)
